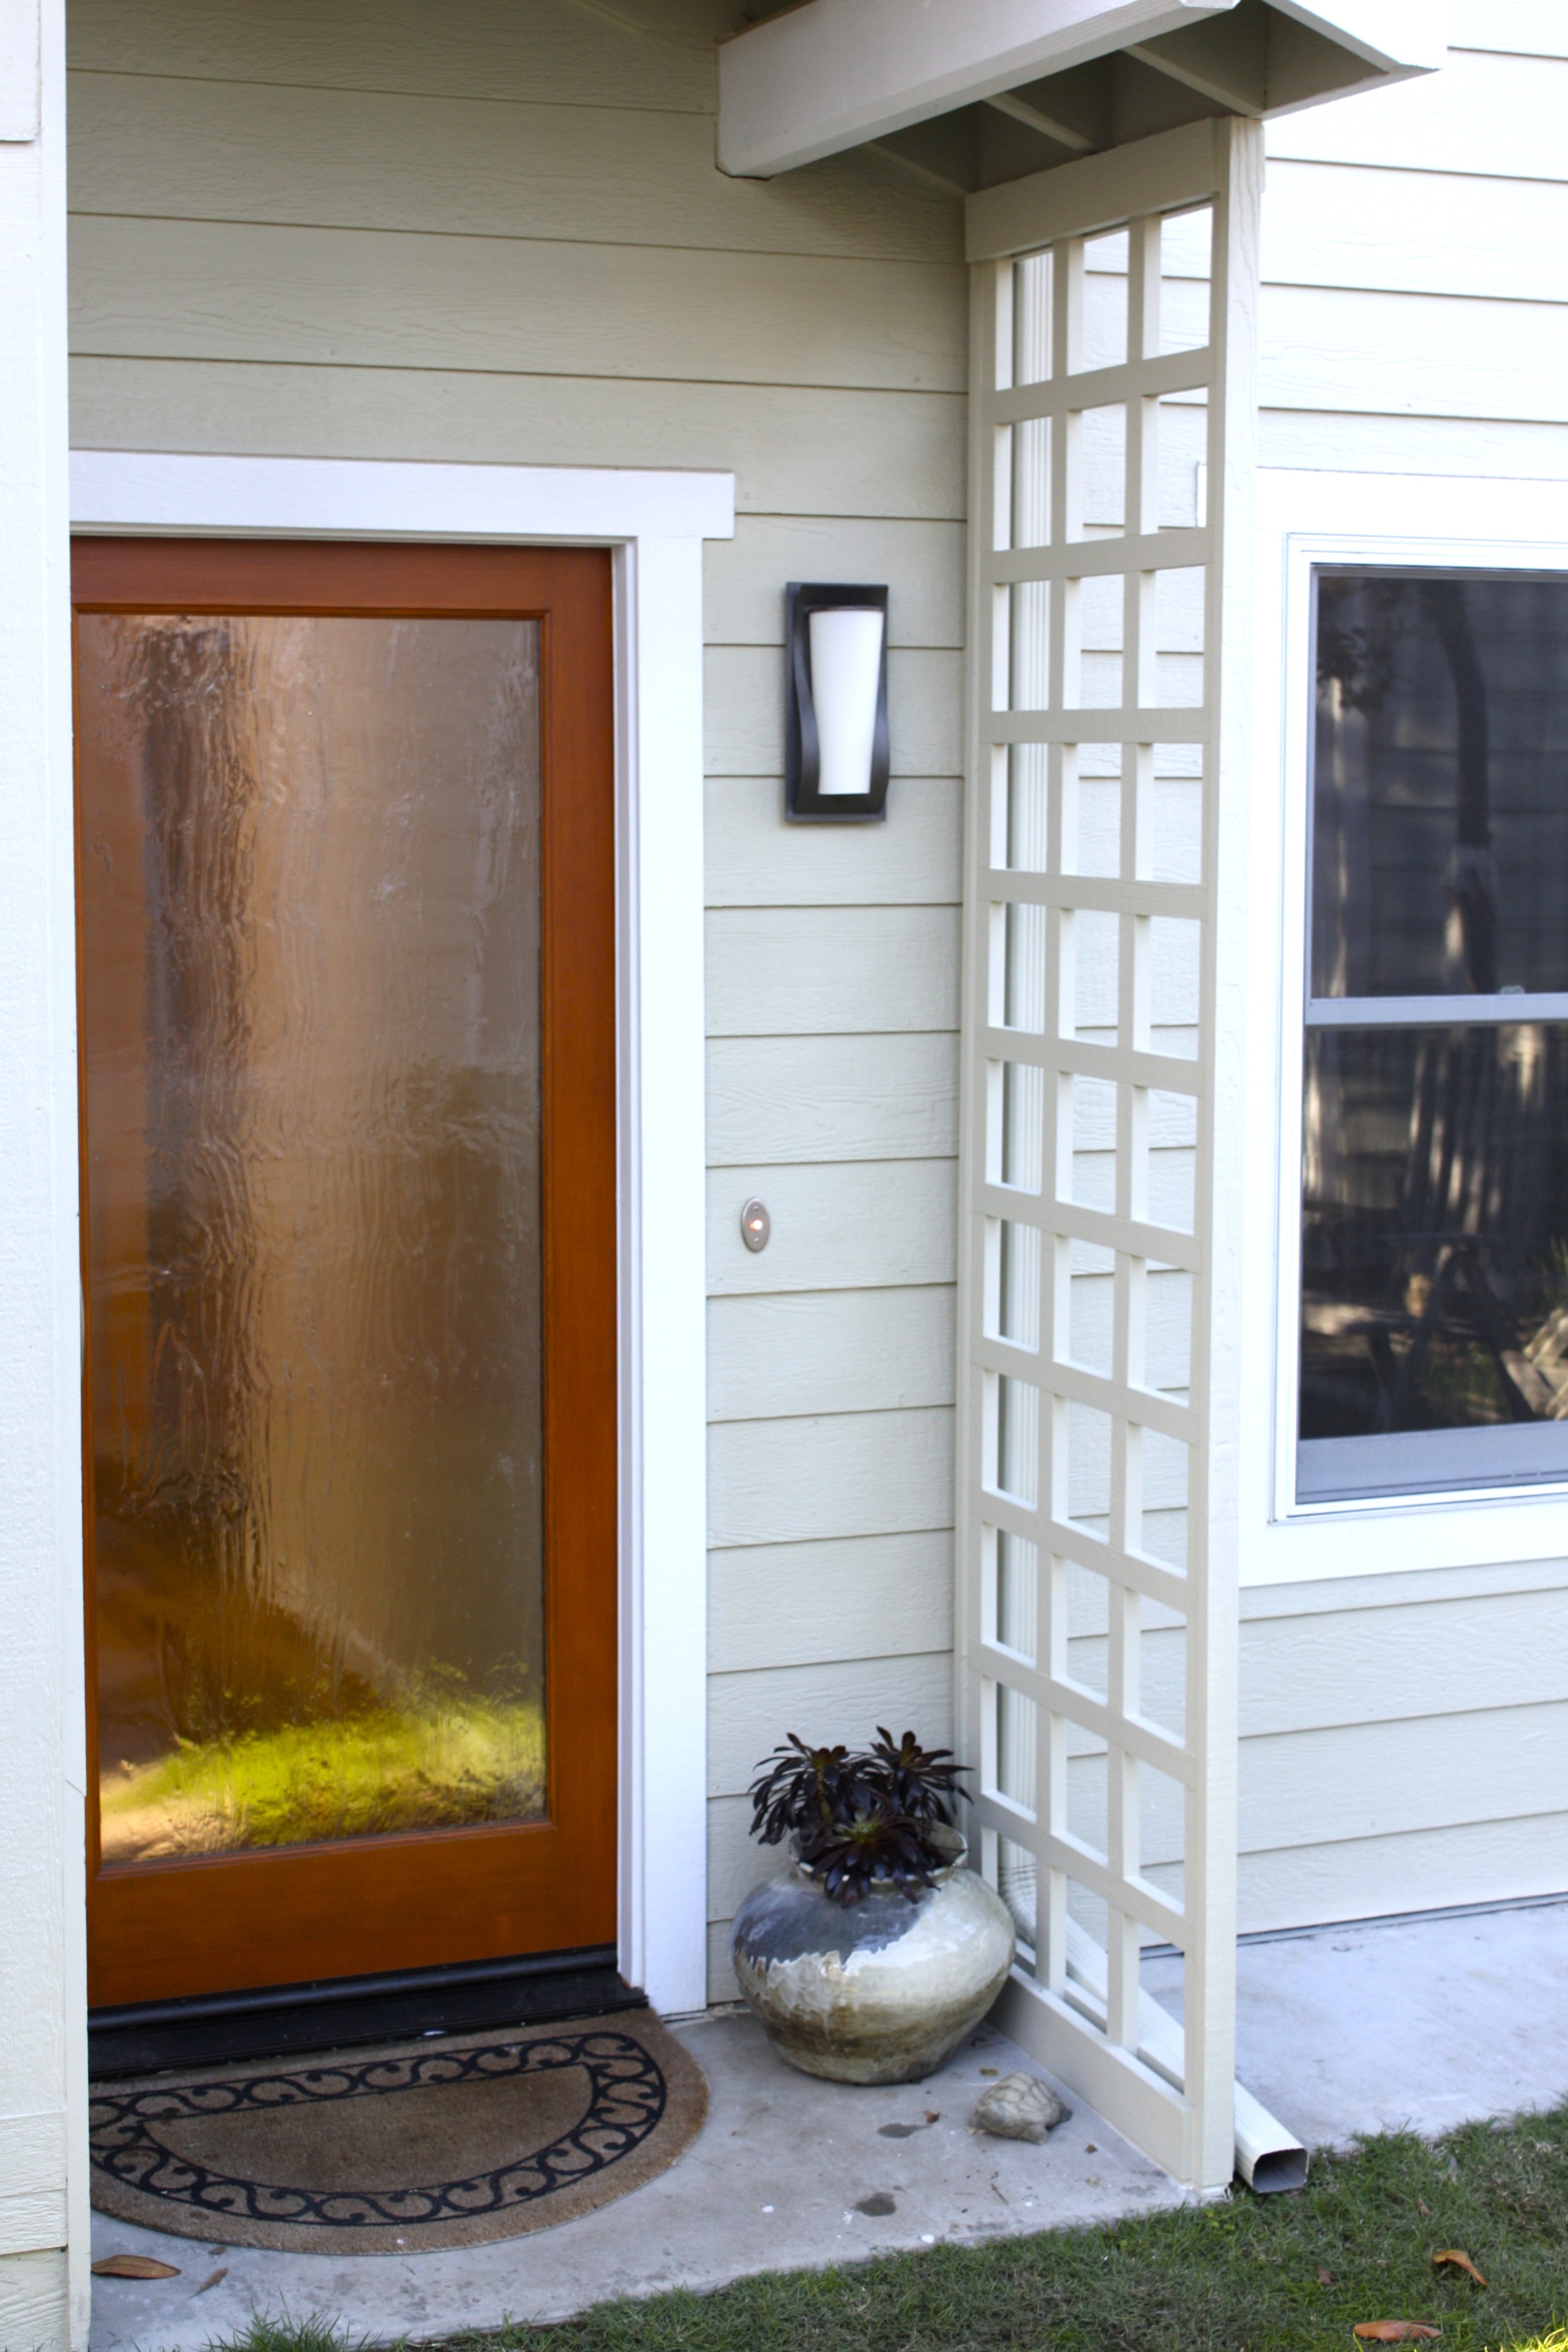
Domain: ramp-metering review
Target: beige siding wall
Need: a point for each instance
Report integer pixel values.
(1404, 1743)
(1405, 1737)
(495, 232)
(491, 231)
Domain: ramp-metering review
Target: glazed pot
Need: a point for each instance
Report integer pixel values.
(881, 1990)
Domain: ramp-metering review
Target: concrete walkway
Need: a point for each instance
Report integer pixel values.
(1405, 2022)
(775, 2181)
(1341, 2030)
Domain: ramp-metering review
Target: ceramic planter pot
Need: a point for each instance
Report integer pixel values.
(881, 1991)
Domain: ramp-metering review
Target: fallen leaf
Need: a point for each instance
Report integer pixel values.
(988, 2070)
(1090, 2150)
(1460, 2262)
(213, 2280)
(1421, 2206)
(141, 2266)
(933, 2115)
(1325, 2278)
(1395, 2331)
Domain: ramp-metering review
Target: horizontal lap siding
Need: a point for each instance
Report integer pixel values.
(805, 969)
(497, 234)
(828, 1351)
(231, 290)
(911, 863)
(791, 450)
(833, 1007)
(442, 165)
(1398, 1754)
(842, 1225)
(1404, 1741)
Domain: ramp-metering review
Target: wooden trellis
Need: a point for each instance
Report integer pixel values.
(1113, 406)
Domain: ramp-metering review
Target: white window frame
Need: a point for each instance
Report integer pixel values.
(1306, 519)
(655, 523)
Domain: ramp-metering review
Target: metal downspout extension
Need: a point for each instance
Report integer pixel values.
(1269, 2157)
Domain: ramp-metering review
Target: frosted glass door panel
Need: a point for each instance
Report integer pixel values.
(311, 925)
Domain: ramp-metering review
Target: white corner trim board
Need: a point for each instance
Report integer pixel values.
(45, 2217)
(1305, 519)
(656, 523)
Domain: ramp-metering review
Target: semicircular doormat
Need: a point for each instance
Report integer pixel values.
(403, 2148)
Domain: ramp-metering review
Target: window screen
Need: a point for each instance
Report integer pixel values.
(1435, 1133)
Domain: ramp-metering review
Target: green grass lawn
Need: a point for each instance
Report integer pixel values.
(1246, 2274)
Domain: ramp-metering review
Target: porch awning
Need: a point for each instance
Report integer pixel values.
(979, 91)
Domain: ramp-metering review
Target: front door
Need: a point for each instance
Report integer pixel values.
(346, 909)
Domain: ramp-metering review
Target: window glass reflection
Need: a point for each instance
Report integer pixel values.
(1434, 1239)
(1440, 785)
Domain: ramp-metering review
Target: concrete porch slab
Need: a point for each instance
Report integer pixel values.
(774, 2182)
(1404, 2023)
(1341, 2030)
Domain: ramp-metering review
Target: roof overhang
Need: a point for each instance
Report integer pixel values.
(1054, 77)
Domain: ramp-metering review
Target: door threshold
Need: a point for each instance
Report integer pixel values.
(277, 2020)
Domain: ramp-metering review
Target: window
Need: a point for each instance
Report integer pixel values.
(1434, 1306)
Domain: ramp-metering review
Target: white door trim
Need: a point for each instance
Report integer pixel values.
(656, 523)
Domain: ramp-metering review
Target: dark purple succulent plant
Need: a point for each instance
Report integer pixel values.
(860, 1815)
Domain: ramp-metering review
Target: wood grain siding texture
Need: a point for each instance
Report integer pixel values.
(1324, 347)
(1349, 226)
(817, 1351)
(926, 560)
(843, 1224)
(792, 450)
(500, 236)
(373, 298)
(753, 861)
(1489, 114)
(797, 1098)
(33, 2295)
(1398, 1753)
(1404, 1738)
(470, 167)
(830, 1475)
(553, 53)
(806, 1604)
(825, 969)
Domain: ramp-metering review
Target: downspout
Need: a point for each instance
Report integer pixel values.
(1269, 2157)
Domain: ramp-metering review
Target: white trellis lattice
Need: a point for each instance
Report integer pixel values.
(1112, 409)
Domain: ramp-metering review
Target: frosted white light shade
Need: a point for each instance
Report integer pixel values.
(845, 672)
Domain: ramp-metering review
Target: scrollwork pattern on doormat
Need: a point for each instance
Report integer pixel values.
(628, 2098)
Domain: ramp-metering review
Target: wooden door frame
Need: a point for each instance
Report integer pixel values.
(420, 1898)
(654, 525)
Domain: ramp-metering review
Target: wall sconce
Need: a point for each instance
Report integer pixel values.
(836, 703)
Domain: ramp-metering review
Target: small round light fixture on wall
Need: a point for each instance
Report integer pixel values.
(836, 703)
